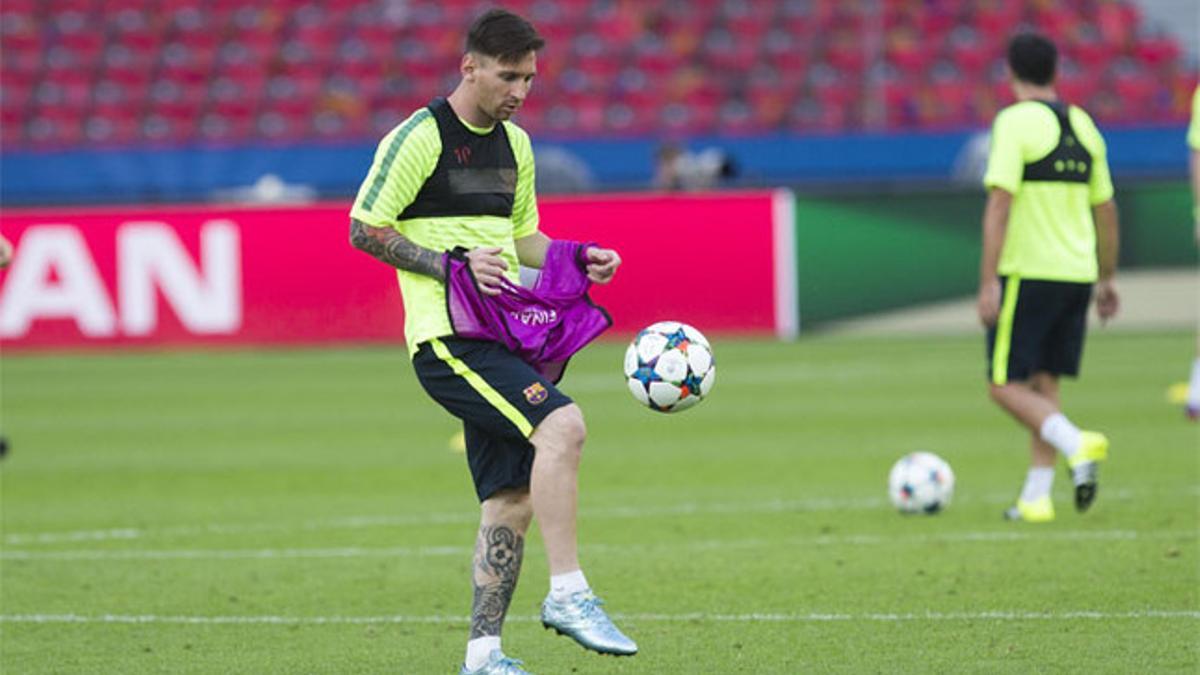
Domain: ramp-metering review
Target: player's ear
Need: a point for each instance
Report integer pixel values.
(468, 66)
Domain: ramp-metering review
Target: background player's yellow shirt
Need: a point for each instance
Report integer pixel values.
(404, 160)
(1050, 233)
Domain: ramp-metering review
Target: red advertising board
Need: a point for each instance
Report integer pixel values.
(193, 275)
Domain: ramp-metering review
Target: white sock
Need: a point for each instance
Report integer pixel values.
(479, 649)
(562, 585)
(1037, 483)
(1193, 398)
(1058, 431)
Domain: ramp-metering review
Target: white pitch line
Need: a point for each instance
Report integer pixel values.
(685, 509)
(991, 536)
(418, 519)
(81, 535)
(813, 617)
(241, 554)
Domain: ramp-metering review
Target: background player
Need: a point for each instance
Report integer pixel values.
(1192, 406)
(1049, 234)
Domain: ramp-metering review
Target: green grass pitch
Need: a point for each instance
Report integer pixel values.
(302, 512)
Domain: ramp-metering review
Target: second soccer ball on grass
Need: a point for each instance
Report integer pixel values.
(669, 367)
(921, 482)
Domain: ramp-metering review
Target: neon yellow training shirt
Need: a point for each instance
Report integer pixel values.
(404, 160)
(1050, 233)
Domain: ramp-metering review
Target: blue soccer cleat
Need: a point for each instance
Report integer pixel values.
(497, 664)
(579, 617)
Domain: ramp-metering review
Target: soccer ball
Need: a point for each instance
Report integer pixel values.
(669, 367)
(921, 482)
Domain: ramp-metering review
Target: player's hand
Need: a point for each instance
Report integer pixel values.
(988, 303)
(488, 268)
(1107, 300)
(602, 264)
(5, 252)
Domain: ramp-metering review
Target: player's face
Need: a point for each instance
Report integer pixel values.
(500, 87)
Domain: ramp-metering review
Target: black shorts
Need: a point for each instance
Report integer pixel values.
(1040, 329)
(500, 400)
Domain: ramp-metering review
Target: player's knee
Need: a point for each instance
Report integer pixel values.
(511, 507)
(1045, 384)
(574, 428)
(563, 429)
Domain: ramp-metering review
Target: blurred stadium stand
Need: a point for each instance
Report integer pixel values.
(163, 74)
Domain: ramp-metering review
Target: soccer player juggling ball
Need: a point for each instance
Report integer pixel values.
(458, 176)
(1049, 240)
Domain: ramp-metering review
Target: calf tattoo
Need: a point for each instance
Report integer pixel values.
(498, 553)
(395, 249)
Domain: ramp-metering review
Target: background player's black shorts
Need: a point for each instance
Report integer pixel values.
(1041, 328)
(500, 400)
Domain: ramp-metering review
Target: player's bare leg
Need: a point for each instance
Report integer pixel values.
(499, 551)
(1036, 405)
(1034, 503)
(554, 484)
(1041, 453)
(1024, 403)
(570, 608)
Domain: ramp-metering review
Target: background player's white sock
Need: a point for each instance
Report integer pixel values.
(1193, 399)
(562, 585)
(479, 649)
(1037, 483)
(1058, 431)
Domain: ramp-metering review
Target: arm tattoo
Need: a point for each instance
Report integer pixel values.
(393, 248)
(498, 554)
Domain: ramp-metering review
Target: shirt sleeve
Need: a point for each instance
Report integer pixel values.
(525, 210)
(404, 160)
(1006, 166)
(1100, 188)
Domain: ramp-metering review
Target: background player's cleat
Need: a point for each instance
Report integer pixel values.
(497, 664)
(1036, 511)
(1085, 467)
(580, 618)
(1177, 394)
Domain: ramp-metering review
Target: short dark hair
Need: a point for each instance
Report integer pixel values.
(1032, 58)
(503, 35)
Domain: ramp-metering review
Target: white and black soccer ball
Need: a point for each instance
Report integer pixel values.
(921, 482)
(670, 367)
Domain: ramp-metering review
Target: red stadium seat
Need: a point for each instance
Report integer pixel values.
(12, 131)
(809, 116)
(1156, 51)
(623, 119)
(219, 129)
(166, 129)
(111, 130)
(997, 21)
(22, 51)
(55, 127)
